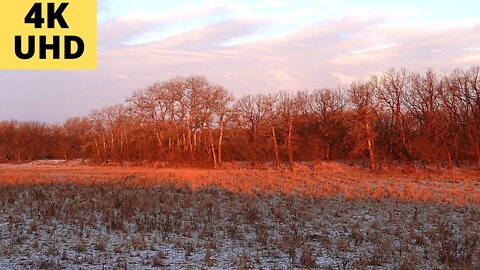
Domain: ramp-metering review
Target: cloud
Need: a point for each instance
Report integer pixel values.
(118, 31)
(318, 55)
(374, 49)
(343, 79)
(138, 50)
(472, 58)
(280, 76)
(211, 36)
(135, 29)
(360, 59)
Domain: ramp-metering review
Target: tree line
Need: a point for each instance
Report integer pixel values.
(397, 116)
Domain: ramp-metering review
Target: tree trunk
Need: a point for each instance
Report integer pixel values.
(212, 147)
(195, 142)
(289, 143)
(449, 160)
(97, 147)
(404, 138)
(404, 142)
(275, 149)
(371, 151)
(19, 156)
(104, 145)
(373, 165)
(401, 128)
(254, 145)
(122, 144)
(190, 146)
(159, 141)
(220, 140)
(328, 152)
(112, 144)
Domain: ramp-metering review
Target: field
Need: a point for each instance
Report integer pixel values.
(330, 216)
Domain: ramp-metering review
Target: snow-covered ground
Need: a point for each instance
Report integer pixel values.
(115, 227)
(54, 217)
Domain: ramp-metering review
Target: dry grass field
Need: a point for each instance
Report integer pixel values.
(331, 217)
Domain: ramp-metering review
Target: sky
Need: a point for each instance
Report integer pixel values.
(248, 47)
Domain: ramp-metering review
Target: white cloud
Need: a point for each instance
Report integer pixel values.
(343, 79)
(471, 58)
(374, 48)
(280, 76)
(307, 55)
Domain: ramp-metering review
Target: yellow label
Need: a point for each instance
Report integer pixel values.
(66, 34)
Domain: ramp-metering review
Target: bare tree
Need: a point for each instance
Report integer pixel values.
(272, 117)
(472, 97)
(397, 115)
(288, 110)
(362, 98)
(462, 100)
(74, 137)
(250, 113)
(326, 106)
(98, 133)
(222, 110)
(423, 100)
(390, 93)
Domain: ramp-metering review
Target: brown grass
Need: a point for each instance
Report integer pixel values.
(458, 187)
